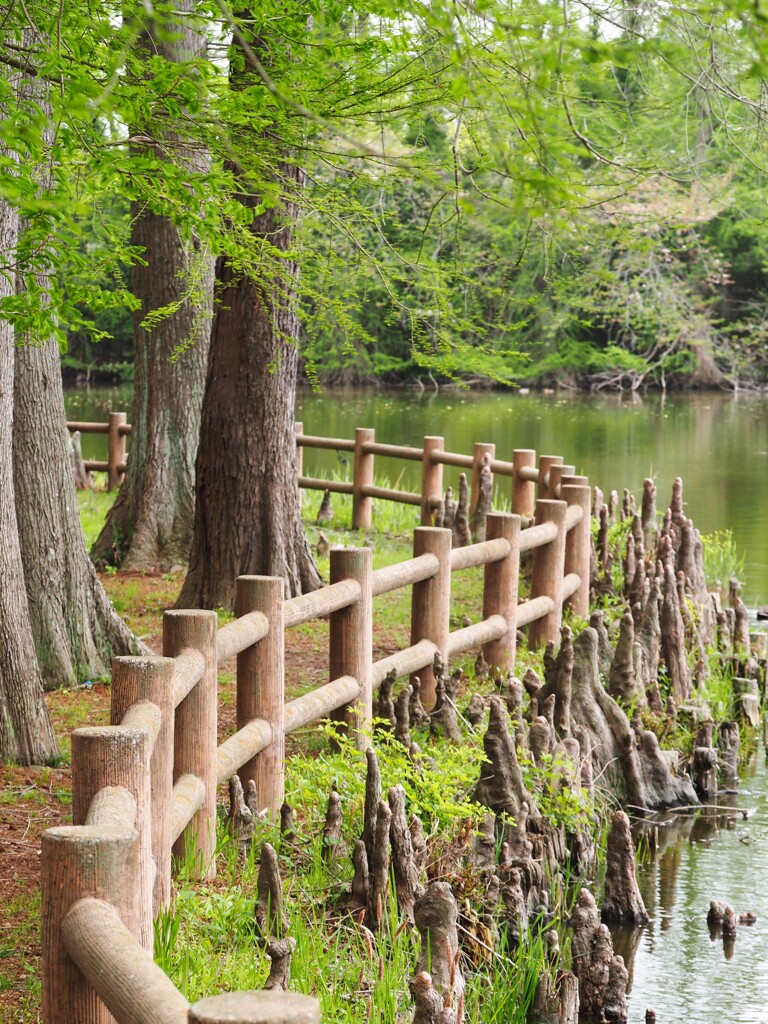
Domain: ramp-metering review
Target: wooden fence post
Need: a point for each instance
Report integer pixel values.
(115, 449)
(548, 566)
(500, 589)
(523, 491)
(574, 478)
(112, 755)
(78, 861)
(270, 1007)
(578, 545)
(261, 686)
(195, 741)
(362, 477)
(351, 640)
(431, 478)
(481, 449)
(556, 474)
(543, 489)
(133, 680)
(298, 428)
(431, 602)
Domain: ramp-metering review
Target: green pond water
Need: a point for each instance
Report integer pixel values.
(679, 966)
(719, 445)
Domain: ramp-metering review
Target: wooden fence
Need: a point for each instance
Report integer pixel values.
(523, 472)
(145, 786)
(117, 429)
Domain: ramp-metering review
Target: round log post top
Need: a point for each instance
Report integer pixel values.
(256, 1008)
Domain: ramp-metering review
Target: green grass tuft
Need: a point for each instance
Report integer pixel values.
(94, 506)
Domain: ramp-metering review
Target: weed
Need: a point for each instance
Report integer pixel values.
(559, 802)
(437, 788)
(722, 561)
(504, 993)
(206, 940)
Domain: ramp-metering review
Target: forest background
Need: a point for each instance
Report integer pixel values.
(551, 192)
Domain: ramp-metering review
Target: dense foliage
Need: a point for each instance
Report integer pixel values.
(557, 191)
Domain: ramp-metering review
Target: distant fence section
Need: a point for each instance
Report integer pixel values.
(144, 787)
(116, 429)
(524, 474)
(528, 477)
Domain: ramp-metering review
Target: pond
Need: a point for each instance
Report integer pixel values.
(676, 965)
(717, 442)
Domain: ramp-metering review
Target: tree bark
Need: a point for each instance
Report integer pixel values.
(247, 512)
(151, 522)
(622, 901)
(26, 734)
(76, 630)
(269, 913)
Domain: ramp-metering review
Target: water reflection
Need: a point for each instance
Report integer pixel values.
(678, 964)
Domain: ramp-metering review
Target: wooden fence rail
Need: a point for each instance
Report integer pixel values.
(145, 786)
(523, 471)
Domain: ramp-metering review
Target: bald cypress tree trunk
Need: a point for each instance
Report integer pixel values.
(150, 523)
(25, 729)
(247, 510)
(76, 630)
(247, 513)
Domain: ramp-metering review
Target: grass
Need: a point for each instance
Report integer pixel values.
(207, 943)
(388, 517)
(94, 506)
(22, 911)
(717, 691)
(391, 539)
(722, 561)
(85, 705)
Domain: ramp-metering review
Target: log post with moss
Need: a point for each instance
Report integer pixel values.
(362, 503)
(548, 566)
(431, 602)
